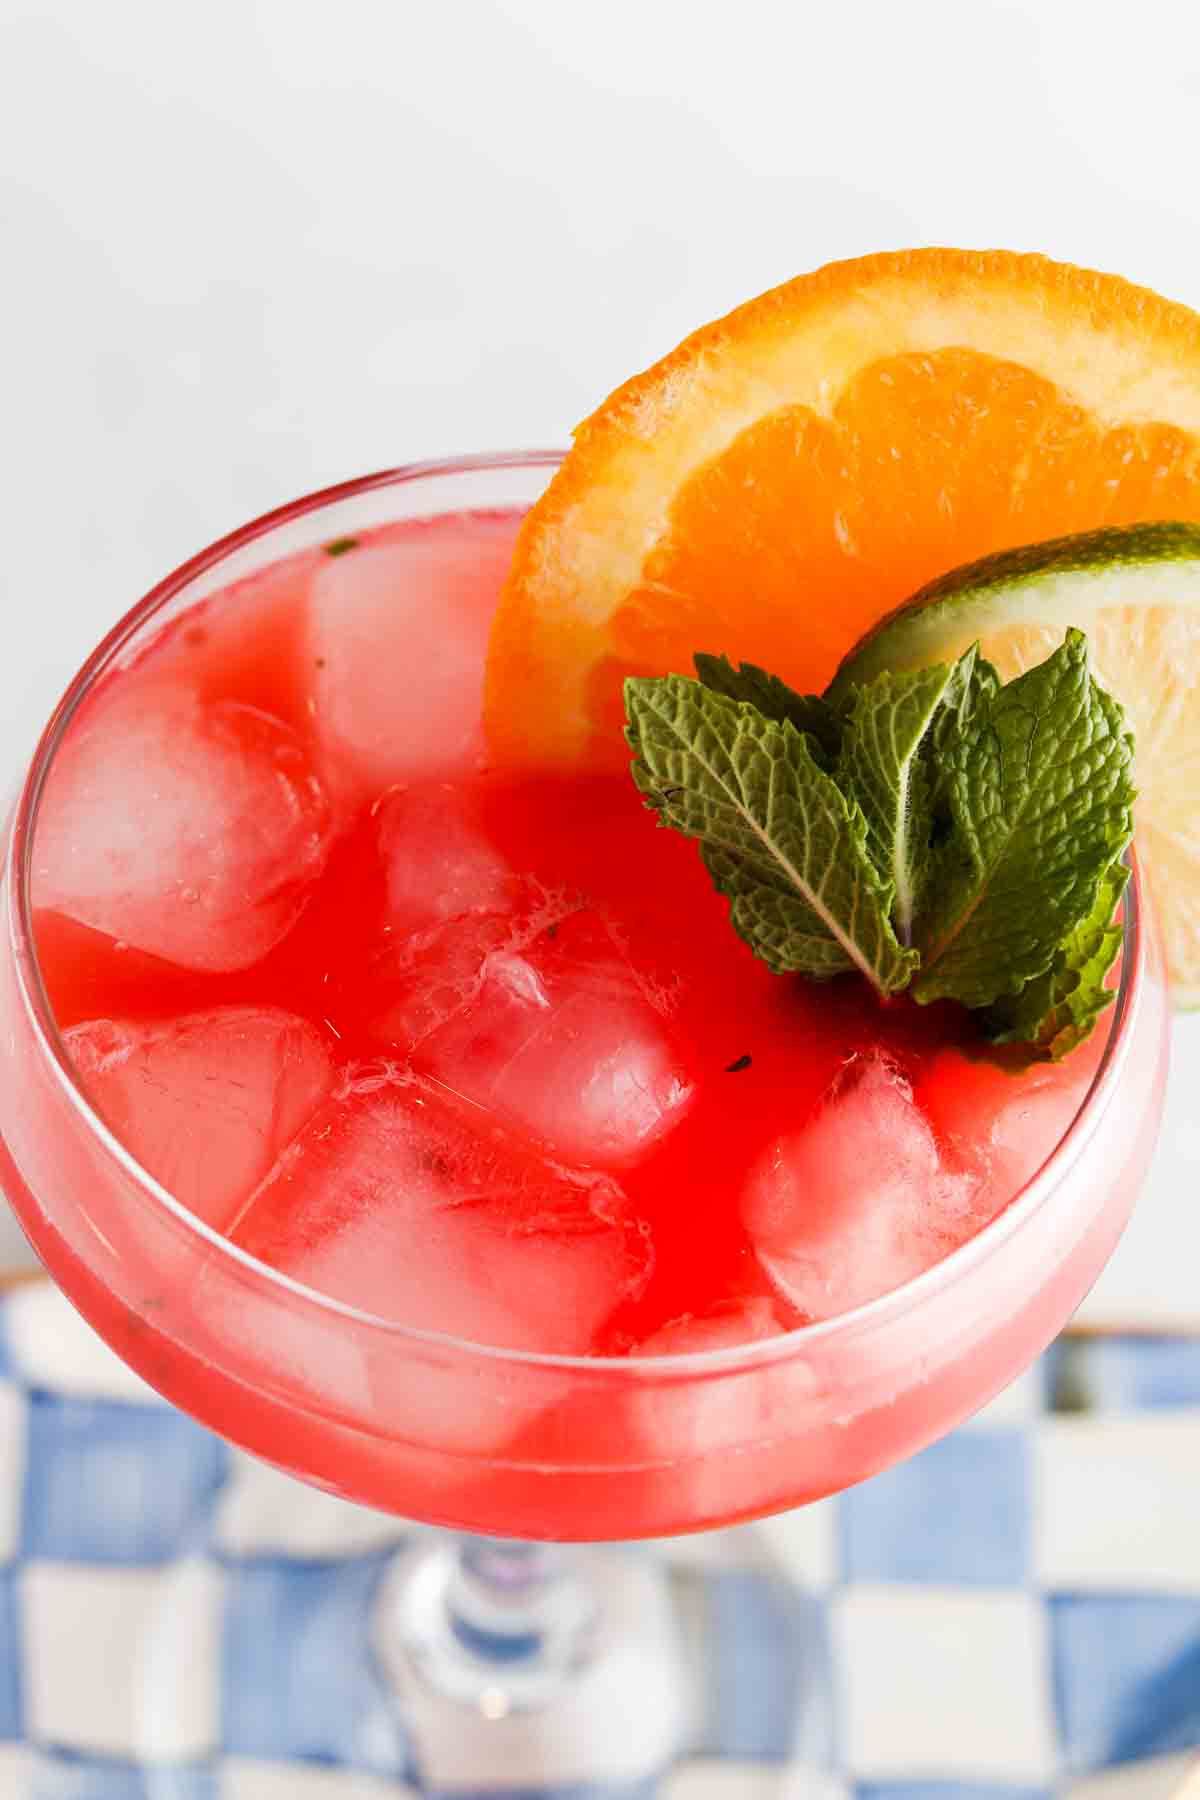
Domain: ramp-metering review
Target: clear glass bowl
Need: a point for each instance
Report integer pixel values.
(418, 1424)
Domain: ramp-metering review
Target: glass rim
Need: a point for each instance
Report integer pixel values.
(1025, 1202)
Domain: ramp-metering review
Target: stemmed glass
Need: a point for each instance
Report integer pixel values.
(503, 1631)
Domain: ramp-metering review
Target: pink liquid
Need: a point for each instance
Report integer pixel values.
(482, 1056)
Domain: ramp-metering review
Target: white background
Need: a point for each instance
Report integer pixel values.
(252, 246)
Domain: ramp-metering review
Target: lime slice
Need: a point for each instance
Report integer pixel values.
(1136, 592)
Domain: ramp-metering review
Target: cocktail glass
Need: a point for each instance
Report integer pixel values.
(501, 1639)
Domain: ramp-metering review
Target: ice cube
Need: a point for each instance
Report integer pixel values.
(401, 1200)
(1005, 1121)
(408, 1203)
(733, 1322)
(859, 1200)
(542, 1018)
(692, 1419)
(397, 637)
(420, 982)
(206, 1103)
(193, 831)
(761, 1403)
(438, 862)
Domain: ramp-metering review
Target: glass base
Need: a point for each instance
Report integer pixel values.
(442, 1665)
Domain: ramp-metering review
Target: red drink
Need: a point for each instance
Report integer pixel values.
(478, 1055)
(708, 1135)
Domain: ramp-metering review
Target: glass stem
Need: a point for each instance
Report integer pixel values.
(512, 1602)
(497, 1624)
(534, 1663)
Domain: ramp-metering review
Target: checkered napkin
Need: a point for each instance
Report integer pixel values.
(1014, 1614)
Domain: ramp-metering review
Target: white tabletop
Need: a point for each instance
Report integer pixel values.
(251, 248)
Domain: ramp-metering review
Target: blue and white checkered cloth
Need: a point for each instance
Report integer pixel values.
(1013, 1615)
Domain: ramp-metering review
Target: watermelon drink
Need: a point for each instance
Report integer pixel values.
(418, 1122)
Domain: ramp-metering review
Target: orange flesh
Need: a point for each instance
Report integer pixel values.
(814, 518)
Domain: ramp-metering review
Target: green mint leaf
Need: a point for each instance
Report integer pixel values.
(885, 767)
(1056, 1011)
(1038, 789)
(773, 698)
(778, 836)
(975, 685)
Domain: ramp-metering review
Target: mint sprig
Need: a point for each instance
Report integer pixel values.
(937, 829)
(777, 834)
(1056, 1011)
(1040, 795)
(774, 699)
(887, 766)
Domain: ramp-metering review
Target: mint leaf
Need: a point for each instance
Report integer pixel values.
(975, 685)
(884, 767)
(773, 698)
(1056, 1011)
(778, 836)
(1039, 794)
(935, 808)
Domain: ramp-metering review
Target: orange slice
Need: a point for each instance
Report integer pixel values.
(790, 473)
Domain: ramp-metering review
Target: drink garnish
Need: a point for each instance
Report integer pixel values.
(775, 700)
(935, 830)
(797, 478)
(1057, 1009)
